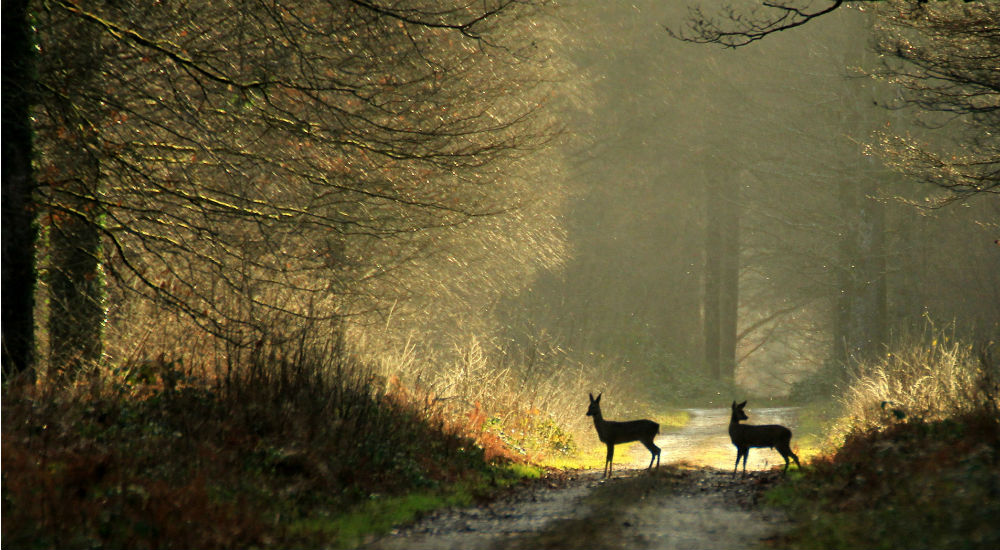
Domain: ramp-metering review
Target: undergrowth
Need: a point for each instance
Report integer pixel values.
(284, 450)
(526, 402)
(916, 459)
(932, 376)
(919, 484)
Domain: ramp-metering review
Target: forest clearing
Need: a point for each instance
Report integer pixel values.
(407, 273)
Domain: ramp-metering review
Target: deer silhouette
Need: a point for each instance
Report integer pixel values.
(745, 436)
(612, 433)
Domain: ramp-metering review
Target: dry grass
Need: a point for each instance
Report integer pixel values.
(270, 444)
(126, 458)
(930, 377)
(526, 403)
(914, 458)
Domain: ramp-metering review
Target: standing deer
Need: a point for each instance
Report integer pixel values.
(612, 433)
(745, 436)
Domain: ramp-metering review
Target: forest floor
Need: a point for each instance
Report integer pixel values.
(920, 484)
(674, 506)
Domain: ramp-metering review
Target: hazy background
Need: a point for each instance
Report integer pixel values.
(567, 198)
(765, 144)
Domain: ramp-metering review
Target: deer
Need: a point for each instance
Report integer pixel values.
(745, 436)
(612, 433)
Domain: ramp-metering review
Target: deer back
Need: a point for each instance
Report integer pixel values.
(626, 432)
(769, 435)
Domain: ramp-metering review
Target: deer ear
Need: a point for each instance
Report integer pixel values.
(743, 404)
(591, 397)
(598, 397)
(734, 404)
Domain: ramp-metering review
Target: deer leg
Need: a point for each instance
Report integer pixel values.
(739, 453)
(795, 458)
(654, 451)
(609, 461)
(746, 455)
(786, 452)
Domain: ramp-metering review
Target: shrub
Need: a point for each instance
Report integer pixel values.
(930, 378)
(916, 484)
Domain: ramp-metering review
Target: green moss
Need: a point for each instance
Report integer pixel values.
(516, 472)
(378, 515)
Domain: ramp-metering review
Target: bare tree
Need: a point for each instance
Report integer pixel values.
(941, 60)
(941, 55)
(262, 164)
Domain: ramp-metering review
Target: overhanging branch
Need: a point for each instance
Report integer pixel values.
(735, 28)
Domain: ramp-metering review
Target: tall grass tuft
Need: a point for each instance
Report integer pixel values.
(915, 454)
(928, 377)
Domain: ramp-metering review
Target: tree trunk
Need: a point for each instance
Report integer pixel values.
(847, 251)
(75, 278)
(711, 310)
(722, 266)
(729, 224)
(867, 329)
(861, 316)
(861, 306)
(19, 212)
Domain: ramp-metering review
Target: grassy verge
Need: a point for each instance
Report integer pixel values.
(380, 514)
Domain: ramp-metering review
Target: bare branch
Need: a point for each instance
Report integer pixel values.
(733, 28)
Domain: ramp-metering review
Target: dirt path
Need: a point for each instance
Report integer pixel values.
(687, 503)
(676, 507)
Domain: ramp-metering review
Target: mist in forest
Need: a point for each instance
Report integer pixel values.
(730, 221)
(567, 198)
